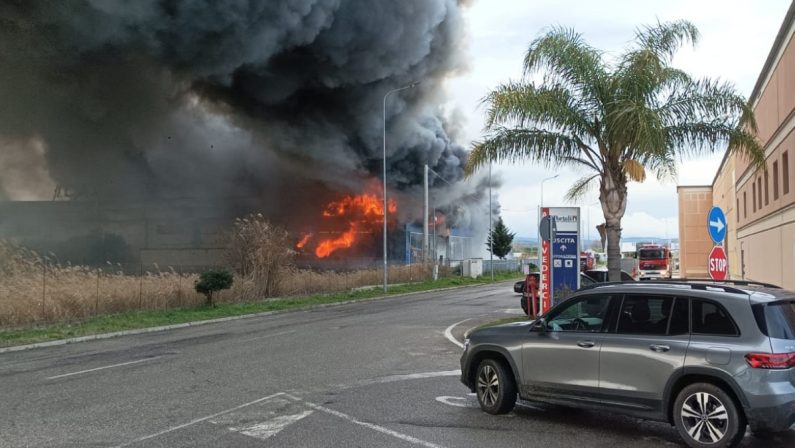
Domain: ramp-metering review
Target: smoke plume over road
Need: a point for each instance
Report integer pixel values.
(279, 99)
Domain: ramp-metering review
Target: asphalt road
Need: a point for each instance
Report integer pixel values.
(376, 374)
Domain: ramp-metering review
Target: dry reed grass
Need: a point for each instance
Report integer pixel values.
(37, 289)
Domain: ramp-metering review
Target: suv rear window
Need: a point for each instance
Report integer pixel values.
(712, 319)
(776, 320)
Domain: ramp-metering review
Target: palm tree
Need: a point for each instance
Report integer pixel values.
(618, 118)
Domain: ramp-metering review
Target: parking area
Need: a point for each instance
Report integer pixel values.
(428, 409)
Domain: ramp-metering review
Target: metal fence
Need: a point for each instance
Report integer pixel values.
(502, 265)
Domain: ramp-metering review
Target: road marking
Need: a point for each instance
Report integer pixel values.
(271, 427)
(103, 368)
(467, 402)
(374, 427)
(459, 402)
(410, 376)
(198, 420)
(448, 333)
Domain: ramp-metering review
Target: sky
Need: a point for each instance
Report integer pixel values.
(736, 37)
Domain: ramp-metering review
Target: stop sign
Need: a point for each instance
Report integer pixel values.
(718, 265)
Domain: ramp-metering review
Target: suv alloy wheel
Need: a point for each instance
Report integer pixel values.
(495, 387)
(706, 416)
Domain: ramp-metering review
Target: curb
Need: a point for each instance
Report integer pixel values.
(116, 334)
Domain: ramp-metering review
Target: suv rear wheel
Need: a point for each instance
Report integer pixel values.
(706, 416)
(495, 387)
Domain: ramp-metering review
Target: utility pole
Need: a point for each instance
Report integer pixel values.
(491, 237)
(426, 218)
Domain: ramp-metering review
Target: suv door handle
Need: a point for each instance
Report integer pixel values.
(586, 344)
(659, 348)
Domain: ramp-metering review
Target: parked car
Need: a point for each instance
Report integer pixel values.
(628, 342)
(518, 287)
(584, 281)
(600, 275)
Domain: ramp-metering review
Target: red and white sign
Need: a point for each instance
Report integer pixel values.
(546, 269)
(718, 264)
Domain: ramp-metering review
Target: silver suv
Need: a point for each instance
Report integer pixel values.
(707, 357)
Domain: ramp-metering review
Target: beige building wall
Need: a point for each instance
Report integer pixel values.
(766, 227)
(724, 196)
(694, 241)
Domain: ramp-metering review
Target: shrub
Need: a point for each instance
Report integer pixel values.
(212, 281)
(262, 252)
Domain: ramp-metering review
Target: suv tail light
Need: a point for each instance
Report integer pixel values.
(770, 360)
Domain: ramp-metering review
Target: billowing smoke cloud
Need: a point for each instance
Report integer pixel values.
(278, 99)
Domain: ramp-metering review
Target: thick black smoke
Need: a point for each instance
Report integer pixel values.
(275, 99)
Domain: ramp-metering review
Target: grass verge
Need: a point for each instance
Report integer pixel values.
(145, 319)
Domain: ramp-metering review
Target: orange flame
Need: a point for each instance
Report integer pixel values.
(363, 212)
(305, 239)
(344, 241)
(365, 205)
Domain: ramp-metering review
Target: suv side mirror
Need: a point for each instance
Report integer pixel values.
(539, 326)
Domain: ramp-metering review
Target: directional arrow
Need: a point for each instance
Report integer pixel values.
(718, 224)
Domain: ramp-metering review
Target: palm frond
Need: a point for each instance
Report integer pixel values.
(665, 39)
(581, 188)
(565, 59)
(516, 144)
(525, 105)
(706, 99)
(700, 137)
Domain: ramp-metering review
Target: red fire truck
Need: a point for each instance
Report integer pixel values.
(654, 261)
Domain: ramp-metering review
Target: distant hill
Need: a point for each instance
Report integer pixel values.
(532, 241)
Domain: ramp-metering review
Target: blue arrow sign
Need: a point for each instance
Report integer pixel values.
(716, 224)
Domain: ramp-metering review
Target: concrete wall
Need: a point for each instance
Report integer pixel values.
(694, 241)
(181, 233)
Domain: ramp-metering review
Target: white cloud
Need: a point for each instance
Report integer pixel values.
(736, 37)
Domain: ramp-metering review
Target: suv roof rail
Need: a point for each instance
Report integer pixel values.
(693, 284)
(733, 282)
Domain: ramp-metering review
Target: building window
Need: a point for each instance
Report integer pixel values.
(737, 209)
(745, 204)
(759, 190)
(775, 180)
(753, 195)
(785, 171)
(767, 189)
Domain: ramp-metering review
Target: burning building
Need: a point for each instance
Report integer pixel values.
(162, 120)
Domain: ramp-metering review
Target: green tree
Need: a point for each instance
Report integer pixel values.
(502, 239)
(212, 281)
(616, 117)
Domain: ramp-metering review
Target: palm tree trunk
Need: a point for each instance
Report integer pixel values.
(613, 196)
(613, 229)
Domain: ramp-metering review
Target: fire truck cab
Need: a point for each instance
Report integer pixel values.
(654, 261)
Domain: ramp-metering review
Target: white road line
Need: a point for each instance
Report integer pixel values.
(448, 333)
(103, 368)
(458, 402)
(270, 428)
(198, 420)
(374, 427)
(409, 376)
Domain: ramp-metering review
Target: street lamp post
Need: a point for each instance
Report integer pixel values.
(428, 171)
(491, 237)
(386, 269)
